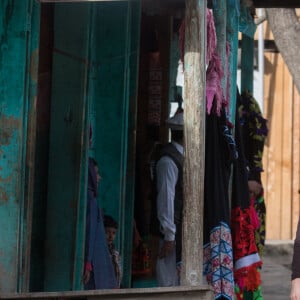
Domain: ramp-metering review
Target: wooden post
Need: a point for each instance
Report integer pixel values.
(232, 38)
(194, 139)
(247, 63)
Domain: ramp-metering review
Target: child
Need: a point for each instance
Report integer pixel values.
(99, 271)
(111, 227)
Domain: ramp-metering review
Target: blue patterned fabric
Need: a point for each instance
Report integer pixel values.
(218, 262)
(218, 258)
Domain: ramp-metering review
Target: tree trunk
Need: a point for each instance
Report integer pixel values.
(285, 26)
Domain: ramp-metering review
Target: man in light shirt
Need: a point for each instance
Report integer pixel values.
(169, 173)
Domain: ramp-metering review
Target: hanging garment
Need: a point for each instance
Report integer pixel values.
(244, 223)
(218, 255)
(254, 131)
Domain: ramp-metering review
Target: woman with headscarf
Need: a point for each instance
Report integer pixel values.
(98, 269)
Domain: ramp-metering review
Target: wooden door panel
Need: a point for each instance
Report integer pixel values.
(67, 153)
(18, 59)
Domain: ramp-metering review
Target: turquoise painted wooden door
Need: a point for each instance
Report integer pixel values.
(94, 81)
(77, 52)
(19, 32)
(68, 149)
(113, 95)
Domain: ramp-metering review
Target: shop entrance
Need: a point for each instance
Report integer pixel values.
(87, 79)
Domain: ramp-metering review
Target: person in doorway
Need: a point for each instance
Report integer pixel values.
(169, 179)
(98, 269)
(111, 227)
(295, 288)
(254, 132)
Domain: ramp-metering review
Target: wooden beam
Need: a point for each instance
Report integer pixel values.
(194, 141)
(269, 3)
(269, 46)
(74, 1)
(276, 3)
(247, 64)
(176, 293)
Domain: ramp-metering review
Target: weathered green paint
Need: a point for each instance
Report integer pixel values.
(94, 60)
(247, 63)
(38, 157)
(81, 211)
(128, 207)
(94, 81)
(18, 20)
(68, 148)
(112, 90)
(109, 95)
(232, 38)
(29, 150)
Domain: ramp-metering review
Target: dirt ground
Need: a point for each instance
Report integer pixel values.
(276, 271)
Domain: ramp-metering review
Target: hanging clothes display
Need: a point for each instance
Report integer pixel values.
(254, 132)
(245, 220)
(253, 128)
(219, 154)
(218, 254)
(233, 226)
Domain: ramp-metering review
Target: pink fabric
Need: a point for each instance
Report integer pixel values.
(215, 96)
(211, 45)
(88, 266)
(214, 73)
(214, 92)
